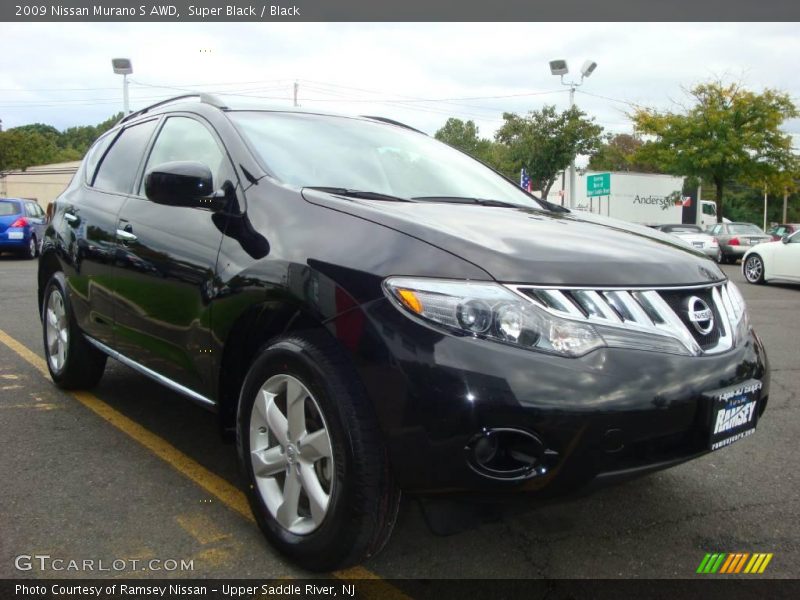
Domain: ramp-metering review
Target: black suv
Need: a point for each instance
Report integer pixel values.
(369, 310)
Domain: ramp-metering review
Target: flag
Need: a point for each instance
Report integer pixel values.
(525, 181)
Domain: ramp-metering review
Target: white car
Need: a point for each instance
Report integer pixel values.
(694, 236)
(773, 260)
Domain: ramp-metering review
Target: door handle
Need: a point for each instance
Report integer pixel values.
(126, 236)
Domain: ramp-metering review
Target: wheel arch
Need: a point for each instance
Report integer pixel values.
(249, 334)
(48, 264)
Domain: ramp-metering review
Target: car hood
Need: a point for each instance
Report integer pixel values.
(521, 245)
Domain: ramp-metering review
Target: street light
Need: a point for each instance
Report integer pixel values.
(560, 68)
(123, 66)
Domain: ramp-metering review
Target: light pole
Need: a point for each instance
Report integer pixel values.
(123, 66)
(560, 68)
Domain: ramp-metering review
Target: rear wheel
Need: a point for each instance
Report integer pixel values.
(316, 472)
(73, 363)
(32, 251)
(754, 269)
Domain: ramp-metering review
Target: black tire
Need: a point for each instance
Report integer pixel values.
(753, 269)
(83, 364)
(720, 257)
(363, 498)
(32, 251)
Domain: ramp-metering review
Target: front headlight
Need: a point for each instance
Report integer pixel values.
(491, 311)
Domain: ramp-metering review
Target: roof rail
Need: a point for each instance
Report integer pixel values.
(392, 122)
(204, 98)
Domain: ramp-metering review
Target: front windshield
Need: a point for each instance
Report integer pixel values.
(307, 150)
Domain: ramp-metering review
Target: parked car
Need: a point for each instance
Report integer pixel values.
(369, 310)
(736, 238)
(784, 229)
(694, 236)
(773, 260)
(22, 224)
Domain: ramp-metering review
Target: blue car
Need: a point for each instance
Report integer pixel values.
(22, 224)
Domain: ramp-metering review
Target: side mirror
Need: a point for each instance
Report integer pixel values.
(182, 183)
(785, 239)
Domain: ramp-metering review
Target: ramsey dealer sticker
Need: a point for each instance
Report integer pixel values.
(734, 412)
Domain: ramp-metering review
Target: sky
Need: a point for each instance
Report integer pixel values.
(419, 74)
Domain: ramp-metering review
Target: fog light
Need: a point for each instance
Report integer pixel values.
(506, 453)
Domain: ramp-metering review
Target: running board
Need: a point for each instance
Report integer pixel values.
(165, 381)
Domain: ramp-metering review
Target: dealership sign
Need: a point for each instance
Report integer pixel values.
(598, 185)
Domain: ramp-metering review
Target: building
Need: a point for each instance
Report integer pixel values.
(42, 183)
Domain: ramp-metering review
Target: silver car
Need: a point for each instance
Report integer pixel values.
(694, 236)
(737, 238)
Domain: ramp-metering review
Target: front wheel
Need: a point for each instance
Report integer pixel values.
(315, 467)
(754, 269)
(73, 363)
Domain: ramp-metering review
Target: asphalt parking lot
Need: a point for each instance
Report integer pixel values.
(133, 471)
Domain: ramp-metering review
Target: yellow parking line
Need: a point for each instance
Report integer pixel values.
(215, 485)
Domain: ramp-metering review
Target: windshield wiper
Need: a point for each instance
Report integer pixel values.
(362, 195)
(460, 200)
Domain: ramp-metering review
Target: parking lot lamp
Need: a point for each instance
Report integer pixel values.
(560, 68)
(123, 66)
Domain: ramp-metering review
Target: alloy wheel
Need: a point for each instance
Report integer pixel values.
(57, 331)
(753, 269)
(291, 454)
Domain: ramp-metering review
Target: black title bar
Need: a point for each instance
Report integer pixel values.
(402, 10)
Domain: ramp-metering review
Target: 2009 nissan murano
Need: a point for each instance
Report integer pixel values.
(369, 310)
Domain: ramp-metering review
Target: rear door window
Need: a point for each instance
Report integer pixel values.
(94, 155)
(118, 168)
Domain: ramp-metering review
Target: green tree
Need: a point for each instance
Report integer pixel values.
(463, 135)
(727, 134)
(19, 149)
(619, 153)
(546, 141)
(38, 143)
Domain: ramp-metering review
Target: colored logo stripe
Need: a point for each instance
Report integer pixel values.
(711, 563)
(721, 562)
(758, 563)
(734, 563)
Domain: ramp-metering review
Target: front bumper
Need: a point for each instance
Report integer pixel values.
(609, 415)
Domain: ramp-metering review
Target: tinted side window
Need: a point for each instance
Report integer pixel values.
(184, 139)
(94, 155)
(30, 210)
(118, 169)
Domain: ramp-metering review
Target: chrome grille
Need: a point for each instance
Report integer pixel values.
(654, 311)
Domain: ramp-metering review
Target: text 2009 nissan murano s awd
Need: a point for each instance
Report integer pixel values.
(370, 311)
